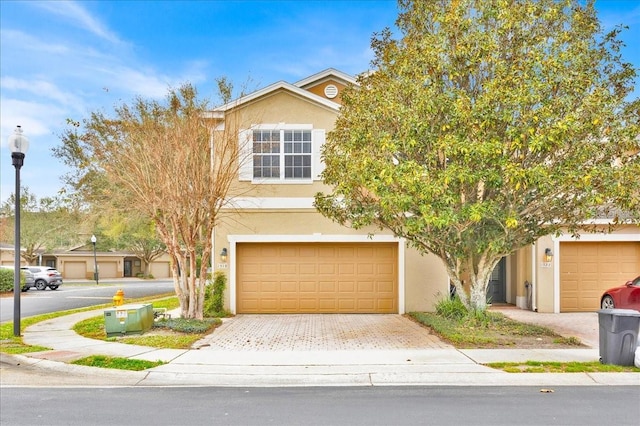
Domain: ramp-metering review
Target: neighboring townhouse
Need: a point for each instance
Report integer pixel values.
(79, 263)
(282, 256)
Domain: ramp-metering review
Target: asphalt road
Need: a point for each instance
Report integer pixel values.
(79, 295)
(591, 405)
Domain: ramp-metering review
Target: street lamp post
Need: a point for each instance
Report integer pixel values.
(18, 145)
(95, 261)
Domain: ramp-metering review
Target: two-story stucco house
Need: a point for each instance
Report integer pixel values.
(282, 256)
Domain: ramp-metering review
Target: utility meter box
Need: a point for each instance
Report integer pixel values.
(128, 319)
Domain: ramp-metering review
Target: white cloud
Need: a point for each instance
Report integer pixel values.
(40, 88)
(23, 41)
(79, 17)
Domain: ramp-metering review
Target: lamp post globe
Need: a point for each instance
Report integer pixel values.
(18, 145)
(95, 259)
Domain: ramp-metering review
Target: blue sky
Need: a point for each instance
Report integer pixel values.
(64, 59)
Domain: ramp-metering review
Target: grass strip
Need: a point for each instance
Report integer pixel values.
(102, 361)
(560, 367)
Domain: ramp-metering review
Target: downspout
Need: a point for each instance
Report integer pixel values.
(534, 295)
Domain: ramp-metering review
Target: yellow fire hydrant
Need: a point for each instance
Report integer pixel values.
(118, 298)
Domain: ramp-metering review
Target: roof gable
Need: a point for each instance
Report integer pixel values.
(311, 88)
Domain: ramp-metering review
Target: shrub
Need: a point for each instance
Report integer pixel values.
(214, 296)
(451, 308)
(188, 325)
(6, 279)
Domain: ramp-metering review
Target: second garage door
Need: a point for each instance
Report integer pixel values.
(317, 278)
(587, 269)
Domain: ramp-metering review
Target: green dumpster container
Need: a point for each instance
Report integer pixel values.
(128, 319)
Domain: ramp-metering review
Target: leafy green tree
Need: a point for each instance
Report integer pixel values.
(45, 224)
(163, 162)
(486, 125)
(137, 234)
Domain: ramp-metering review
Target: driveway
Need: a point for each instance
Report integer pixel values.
(583, 325)
(327, 332)
(320, 332)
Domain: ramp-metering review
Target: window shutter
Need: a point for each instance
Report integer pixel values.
(318, 142)
(245, 141)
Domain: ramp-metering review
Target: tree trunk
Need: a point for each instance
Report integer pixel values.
(478, 270)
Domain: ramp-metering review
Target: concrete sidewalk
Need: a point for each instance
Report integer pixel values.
(439, 364)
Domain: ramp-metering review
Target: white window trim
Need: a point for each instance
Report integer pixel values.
(317, 140)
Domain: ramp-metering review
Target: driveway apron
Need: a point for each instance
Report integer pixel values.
(320, 332)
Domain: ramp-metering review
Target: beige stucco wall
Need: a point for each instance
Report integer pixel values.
(544, 276)
(426, 281)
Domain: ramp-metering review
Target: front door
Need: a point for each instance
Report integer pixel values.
(497, 283)
(127, 268)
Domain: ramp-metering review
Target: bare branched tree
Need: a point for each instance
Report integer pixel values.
(168, 162)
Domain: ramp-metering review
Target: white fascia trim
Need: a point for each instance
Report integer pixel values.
(260, 203)
(583, 238)
(329, 238)
(324, 74)
(312, 238)
(274, 87)
(599, 237)
(281, 126)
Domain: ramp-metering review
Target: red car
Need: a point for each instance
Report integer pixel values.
(623, 297)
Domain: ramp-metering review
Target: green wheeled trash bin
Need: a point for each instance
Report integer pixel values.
(618, 335)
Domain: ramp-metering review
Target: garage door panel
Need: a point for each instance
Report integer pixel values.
(365, 268)
(346, 286)
(308, 287)
(327, 287)
(385, 287)
(326, 251)
(587, 269)
(347, 305)
(327, 304)
(317, 277)
(366, 304)
(346, 252)
(366, 287)
(288, 286)
(266, 269)
(269, 287)
(326, 268)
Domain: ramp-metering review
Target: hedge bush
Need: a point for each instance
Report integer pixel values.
(6, 279)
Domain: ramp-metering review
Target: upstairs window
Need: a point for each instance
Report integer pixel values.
(282, 153)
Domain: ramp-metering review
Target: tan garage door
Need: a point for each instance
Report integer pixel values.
(588, 269)
(317, 278)
(108, 270)
(160, 269)
(75, 270)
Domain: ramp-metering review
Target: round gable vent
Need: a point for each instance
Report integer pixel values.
(331, 91)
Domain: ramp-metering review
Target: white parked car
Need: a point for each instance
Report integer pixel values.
(45, 276)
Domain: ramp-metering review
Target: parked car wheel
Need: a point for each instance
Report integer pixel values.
(41, 284)
(53, 287)
(25, 289)
(607, 302)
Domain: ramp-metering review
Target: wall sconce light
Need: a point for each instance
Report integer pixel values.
(223, 255)
(548, 255)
